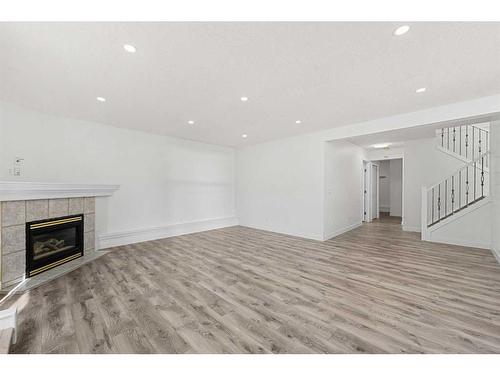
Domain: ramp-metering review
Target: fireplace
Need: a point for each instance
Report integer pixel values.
(52, 242)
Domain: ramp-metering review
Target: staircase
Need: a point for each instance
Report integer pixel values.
(465, 142)
(467, 188)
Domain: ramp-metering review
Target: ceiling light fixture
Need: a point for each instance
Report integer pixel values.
(190, 122)
(420, 90)
(401, 30)
(381, 145)
(244, 136)
(129, 48)
(298, 122)
(244, 99)
(101, 99)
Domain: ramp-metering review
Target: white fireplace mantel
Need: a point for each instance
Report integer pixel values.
(14, 191)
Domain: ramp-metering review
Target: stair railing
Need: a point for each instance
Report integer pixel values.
(468, 141)
(468, 185)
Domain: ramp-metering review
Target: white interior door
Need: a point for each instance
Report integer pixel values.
(374, 187)
(366, 210)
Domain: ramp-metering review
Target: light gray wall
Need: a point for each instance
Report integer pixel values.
(396, 187)
(424, 166)
(163, 180)
(281, 183)
(343, 186)
(280, 186)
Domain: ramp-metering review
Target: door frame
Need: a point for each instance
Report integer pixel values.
(368, 214)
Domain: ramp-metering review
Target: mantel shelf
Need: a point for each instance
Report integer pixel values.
(13, 191)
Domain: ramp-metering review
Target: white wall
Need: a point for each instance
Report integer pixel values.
(381, 154)
(495, 170)
(424, 165)
(384, 186)
(472, 229)
(396, 187)
(343, 186)
(280, 186)
(163, 180)
(280, 183)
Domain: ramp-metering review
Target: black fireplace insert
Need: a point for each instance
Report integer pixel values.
(52, 242)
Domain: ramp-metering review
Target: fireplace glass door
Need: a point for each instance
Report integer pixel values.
(50, 243)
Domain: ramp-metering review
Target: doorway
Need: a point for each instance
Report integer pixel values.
(370, 191)
(383, 195)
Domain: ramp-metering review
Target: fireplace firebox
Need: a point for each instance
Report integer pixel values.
(52, 242)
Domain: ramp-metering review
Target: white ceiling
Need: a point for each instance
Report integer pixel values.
(325, 74)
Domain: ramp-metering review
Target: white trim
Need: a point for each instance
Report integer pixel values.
(408, 228)
(342, 230)
(12, 191)
(8, 319)
(148, 234)
(458, 215)
(453, 241)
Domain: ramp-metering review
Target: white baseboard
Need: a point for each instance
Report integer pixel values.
(342, 230)
(148, 234)
(408, 228)
(459, 242)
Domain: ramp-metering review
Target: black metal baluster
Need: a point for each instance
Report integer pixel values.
(480, 142)
(459, 189)
(460, 137)
(439, 202)
(445, 197)
(442, 137)
(482, 177)
(473, 143)
(466, 140)
(452, 194)
(454, 138)
(467, 186)
(474, 180)
(448, 137)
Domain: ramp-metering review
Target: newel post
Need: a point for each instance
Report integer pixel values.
(424, 231)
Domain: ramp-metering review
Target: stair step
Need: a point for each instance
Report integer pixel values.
(6, 336)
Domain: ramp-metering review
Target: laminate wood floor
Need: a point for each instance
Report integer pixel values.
(375, 289)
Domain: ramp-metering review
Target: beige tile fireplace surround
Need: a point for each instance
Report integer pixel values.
(48, 201)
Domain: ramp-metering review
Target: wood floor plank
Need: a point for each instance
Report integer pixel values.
(375, 289)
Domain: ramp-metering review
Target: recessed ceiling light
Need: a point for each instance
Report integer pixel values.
(298, 122)
(101, 99)
(244, 135)
(401, 30)
(129, 48)
(190, 122)
(420, 90)
(244, 98)
(381, 145)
